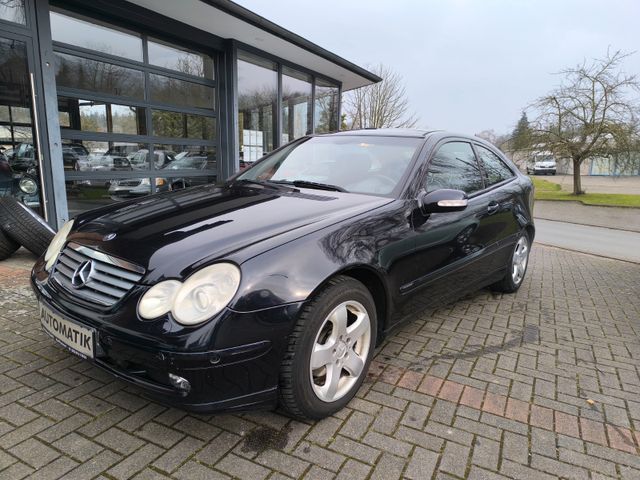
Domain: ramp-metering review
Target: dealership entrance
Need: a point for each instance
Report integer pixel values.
(114, 100)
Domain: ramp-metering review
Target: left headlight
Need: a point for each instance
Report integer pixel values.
(55, 247)
(200, 297)
(28, 185)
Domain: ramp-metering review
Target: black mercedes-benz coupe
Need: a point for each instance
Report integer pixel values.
(275, 286)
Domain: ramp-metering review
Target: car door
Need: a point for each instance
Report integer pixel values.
(504, 191)
(451, 248)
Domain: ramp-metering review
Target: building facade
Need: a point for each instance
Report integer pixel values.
(108, 100)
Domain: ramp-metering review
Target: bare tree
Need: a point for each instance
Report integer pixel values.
(591, 114)
(381, 105)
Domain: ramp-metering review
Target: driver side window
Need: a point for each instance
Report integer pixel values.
(454, 166)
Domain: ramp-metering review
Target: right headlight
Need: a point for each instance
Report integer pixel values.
(55, 247)
(200, 297)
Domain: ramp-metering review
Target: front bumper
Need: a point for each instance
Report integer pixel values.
(543, 170)
(240, 377)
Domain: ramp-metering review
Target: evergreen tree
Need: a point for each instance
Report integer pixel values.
(521, 136)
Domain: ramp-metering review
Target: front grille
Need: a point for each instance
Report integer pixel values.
(105, 279)
(129, 183)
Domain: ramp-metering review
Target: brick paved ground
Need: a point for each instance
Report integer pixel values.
(542, 384)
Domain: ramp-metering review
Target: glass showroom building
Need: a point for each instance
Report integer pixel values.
(110, 99)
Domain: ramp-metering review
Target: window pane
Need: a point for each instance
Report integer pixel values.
(21, 115)
(188, 157)
(257, 106)
(326, 107)
(96, 116)
(111, 156)
(12, 11)
(182, 125)
(454, 166)
(83, 195)
(185, 61)
(100, 77)
(93, 36)
(178, 92)
(495, 168)
(296, 105)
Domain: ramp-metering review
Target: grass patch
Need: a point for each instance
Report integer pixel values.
(546, 190)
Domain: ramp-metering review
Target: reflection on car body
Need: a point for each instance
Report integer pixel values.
(275, 286)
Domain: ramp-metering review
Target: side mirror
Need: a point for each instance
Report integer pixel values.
(443, 200)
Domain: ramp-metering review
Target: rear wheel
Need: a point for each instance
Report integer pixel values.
(24, 226)
(516, 266)
(329, 350)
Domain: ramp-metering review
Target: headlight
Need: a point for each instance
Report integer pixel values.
(55, 247)
(28, 185)
(159, 299)
(200, 297)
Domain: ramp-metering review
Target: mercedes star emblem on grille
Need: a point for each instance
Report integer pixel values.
(82, 274)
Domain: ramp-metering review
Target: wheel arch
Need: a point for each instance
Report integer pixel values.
(373, 281)
(531, 231)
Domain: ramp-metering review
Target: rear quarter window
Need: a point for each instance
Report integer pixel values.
(497, 171)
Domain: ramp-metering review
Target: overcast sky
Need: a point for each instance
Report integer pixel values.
(468, 65)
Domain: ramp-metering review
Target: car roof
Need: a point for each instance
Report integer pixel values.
(411, 133)
(386, 132)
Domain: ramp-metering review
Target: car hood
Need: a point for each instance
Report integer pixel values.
(173, 233)
(546, 163)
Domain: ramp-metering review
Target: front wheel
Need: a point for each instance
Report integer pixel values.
(516, 266)
(329, 350)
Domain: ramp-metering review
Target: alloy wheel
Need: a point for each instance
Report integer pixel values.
(340, 351)
(520, 259)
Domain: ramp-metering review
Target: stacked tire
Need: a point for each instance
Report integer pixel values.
(21, 226)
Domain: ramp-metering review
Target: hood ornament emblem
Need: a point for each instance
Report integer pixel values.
(82, 274)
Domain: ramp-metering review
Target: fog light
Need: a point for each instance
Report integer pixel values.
(180, 383)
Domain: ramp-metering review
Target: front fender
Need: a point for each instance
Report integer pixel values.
(292, 272)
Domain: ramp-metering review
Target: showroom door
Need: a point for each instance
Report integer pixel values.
(21, 162)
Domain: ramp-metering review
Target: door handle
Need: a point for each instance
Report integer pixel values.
(493, 207)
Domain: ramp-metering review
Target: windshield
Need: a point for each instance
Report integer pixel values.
(187, 163)
(360, 164)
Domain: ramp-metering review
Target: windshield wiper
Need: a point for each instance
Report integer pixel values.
(309, 184)
(266, 183)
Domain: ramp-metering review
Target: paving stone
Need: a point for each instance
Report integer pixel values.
(159, 434)
(486, 453)
(421, 464)
(34, 453)
(177, 455)
(196, 471)
(389, 467)
(16, 414)
(135, 462)
(241, 468)
(120, 441)
(77, 447)
(351, 448)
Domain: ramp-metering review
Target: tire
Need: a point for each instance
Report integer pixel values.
(24, 226)
(301, 387)
(512, 282)
(7, 246)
